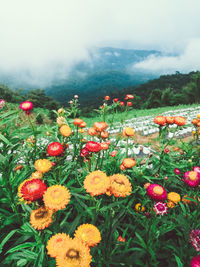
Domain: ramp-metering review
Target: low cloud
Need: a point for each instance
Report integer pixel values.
(188, 61)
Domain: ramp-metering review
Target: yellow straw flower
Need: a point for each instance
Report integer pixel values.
(174, 197)
(120, 185)
(65, 130)
(43, 165)
(139, 207)
(74, 254)
(128, 131)
(56, 197)
(96, 183)
(56, 243)
(41, 218)
(89, 234)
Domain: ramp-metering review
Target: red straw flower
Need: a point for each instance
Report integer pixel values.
(33, 189)
(92, 146)
(156, 192)
(26, 106)
(55, 149)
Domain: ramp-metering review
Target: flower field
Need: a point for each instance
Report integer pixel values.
(73, 195)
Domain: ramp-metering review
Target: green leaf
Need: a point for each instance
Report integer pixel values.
(5, 140)
(24, 245)
(142, 243)
(178, 261)
(3, 242)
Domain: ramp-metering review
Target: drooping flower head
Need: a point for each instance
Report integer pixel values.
(96, 183)
(41, 218)
(33, 189)
(195, 262)
(192, 178)
(2, 103)
(56, 197)
(74, 254)
(194, 238)
(56, 243)
(92, 146)
(43, 165)
(156, 192)
(120, 185)
(26, 106)
(55, 149)
(160, 208)
(89, 234)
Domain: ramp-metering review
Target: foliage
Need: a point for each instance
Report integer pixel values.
(150, 240)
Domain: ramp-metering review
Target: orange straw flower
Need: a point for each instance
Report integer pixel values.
(89, 234)
(56, 243)
(41, 218)
(96, 183)
(120, 185)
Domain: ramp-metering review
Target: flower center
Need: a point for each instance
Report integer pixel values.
(55, 193)
(192, 175)
(26, 105)
(42, 213)
(119, 182)
(96, 179)
(72, 254)
(160, 207)
(158, 190)
(32, 187)
(59, 240)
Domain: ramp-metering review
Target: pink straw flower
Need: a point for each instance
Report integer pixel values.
(160, 208)
(192, 178)
(156, 192)
(2, 103)
(196, 169)
(194, 237)
(26, 106)
(177, 171)
(195, 262)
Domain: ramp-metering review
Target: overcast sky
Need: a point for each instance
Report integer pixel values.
(48, 36)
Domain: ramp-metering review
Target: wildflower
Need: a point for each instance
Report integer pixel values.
(128, 131)
(92, 131)
(76, 96)
(129, 97)
(33, 189)
(43, 165)
(169, 120)
(65, 130)
(196, 169)
(122, 167)
(156, 192)
(191, 178)
(73, 254)
(121, 103)
(104, 134)
(160, 208)
(100, 126)
(55, 149)
(18, 167)
(129, 104)
(121, 239)
(61, 121)
(129, 163)
(61, 110)
(166, 150)
(20, 195)
(56, 197)
(104, 146)
(114, 153)
(195, 262)
(2, 103)
(96, 183)
(177, 171)
(56, 243)
(180, 121)
(160, 120)
(89, 234)
(106, 97)
(93, 146)
(139, 207)
(26, 106)
(174, 197)
(36, 175)
(194, 238)
(84, 152)
(41, 218)
(115, 100)
(195, 121)
(78, 121)
(120, 185)
(82, 125)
